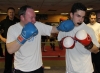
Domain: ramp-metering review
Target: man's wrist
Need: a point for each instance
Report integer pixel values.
(99, 49)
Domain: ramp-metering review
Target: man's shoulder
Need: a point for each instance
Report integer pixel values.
(38, 23)
(15, 25)
(87, 27)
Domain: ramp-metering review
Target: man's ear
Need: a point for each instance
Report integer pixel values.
(71, 15)
(22, 17)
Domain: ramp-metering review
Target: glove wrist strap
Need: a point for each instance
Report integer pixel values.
(88, 47)
(21, 40)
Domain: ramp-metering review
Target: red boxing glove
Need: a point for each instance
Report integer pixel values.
(82, 37)
(68, 42)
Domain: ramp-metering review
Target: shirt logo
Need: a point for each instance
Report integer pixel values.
(31, 39)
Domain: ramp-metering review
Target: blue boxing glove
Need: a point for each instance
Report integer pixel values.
(28, 31)
(66, 26)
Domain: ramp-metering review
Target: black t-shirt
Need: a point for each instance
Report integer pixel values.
(6, 23)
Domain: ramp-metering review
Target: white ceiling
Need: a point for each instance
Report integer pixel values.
(59, 6)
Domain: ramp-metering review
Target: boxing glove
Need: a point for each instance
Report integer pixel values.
(66, 26)
(82, 37)
(28, 31)
(68, 42)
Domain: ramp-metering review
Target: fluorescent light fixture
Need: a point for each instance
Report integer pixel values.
(3, 13)
(64, 13)
(36, 11)
(89, 8)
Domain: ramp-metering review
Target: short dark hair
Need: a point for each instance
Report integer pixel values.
(78, 6)
(92, 13)
(10, 8)
(23, 9)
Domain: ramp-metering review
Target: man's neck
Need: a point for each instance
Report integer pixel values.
(92, 23)
(11, 18)
(21, 23)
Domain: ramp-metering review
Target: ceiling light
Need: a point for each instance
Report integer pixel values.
(3, 13)
(89, 8)
(36, 11)
(64, 13)
(18, 8)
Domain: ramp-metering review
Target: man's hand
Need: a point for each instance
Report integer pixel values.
(2, 38)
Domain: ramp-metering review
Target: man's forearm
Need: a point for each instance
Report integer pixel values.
(13, 47)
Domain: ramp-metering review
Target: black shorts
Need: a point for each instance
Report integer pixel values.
(40, 70)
